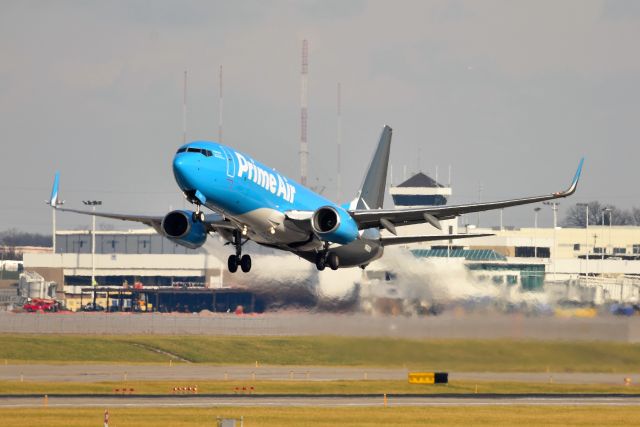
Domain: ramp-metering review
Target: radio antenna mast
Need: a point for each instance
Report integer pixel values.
(304, 146)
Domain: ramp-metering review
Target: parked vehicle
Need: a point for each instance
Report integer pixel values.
(40, 305)
(90, 307)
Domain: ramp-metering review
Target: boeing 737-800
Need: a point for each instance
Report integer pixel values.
(250, 201)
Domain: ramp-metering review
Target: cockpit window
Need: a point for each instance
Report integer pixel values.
(202, 151)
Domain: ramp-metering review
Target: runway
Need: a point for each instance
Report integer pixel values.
(202, 372)
(320, 400)
(446, 326)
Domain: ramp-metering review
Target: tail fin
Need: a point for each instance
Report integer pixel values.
(371, 194)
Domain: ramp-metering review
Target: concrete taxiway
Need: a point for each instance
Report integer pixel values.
(318, 400)
(203, 372)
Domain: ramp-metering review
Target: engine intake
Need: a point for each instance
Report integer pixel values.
(325, 220)
(180, 227)
(176, 224)
(334, 224)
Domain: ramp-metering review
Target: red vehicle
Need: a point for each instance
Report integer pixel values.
(40, 305)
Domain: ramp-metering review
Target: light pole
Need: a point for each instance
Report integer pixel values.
(54, 202)
(604, 211)
(586, 241)
(554, 207)
(535, 233)
(53, 223)
(93, 204)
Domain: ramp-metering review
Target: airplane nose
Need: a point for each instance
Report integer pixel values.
(179, 165)
(181, 171)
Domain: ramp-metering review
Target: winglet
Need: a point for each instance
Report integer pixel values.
(53, 200)
(574, 184)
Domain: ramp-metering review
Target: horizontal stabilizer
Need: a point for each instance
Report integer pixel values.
(401, 240)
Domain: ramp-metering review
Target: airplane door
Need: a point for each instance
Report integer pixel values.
(231, 166)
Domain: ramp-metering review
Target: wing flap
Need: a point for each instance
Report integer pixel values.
(401, 240)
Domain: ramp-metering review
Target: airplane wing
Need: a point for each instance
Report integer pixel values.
(213, 221)
(151, 221)
(400, 240)
(389, 218)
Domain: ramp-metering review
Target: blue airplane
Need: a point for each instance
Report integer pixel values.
(251, 201)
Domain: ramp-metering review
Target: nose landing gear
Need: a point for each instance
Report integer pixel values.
(198, 215)
(243, 261)
(192, 197)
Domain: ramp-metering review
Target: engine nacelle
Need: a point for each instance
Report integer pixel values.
(180, 227)
(334, 224)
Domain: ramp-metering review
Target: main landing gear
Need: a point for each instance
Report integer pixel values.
(244, 261)
(325, 258)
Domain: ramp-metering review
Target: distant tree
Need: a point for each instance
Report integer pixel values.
(14, 237)
(620, 217)
(575, 216)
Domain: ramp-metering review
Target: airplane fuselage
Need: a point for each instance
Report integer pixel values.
(257, 199)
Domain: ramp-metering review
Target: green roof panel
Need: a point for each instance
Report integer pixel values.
(468, 254)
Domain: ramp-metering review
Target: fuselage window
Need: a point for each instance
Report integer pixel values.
(207, 153)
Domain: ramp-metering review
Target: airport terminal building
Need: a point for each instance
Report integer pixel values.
(137, 269)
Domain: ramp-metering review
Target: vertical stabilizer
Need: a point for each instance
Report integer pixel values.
(371, 195)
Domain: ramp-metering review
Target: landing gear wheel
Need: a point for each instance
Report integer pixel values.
(333, 261)
(321, 261)
(232, 263)
(245, 263)
(198, 216)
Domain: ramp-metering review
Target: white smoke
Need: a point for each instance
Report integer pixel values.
(448, 280)
(271, 270)
(287, 277)
(338, 286)
(439, 279)
(290, 280)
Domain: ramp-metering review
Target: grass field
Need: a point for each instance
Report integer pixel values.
(448, 355)
(308, 387)
(316, 417)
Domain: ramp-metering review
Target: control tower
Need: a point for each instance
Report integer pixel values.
(419, 191)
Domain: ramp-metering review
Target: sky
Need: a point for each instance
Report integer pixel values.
(510, 94)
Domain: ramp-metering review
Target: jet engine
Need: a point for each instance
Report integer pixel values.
(334, 224)
(180, 227)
